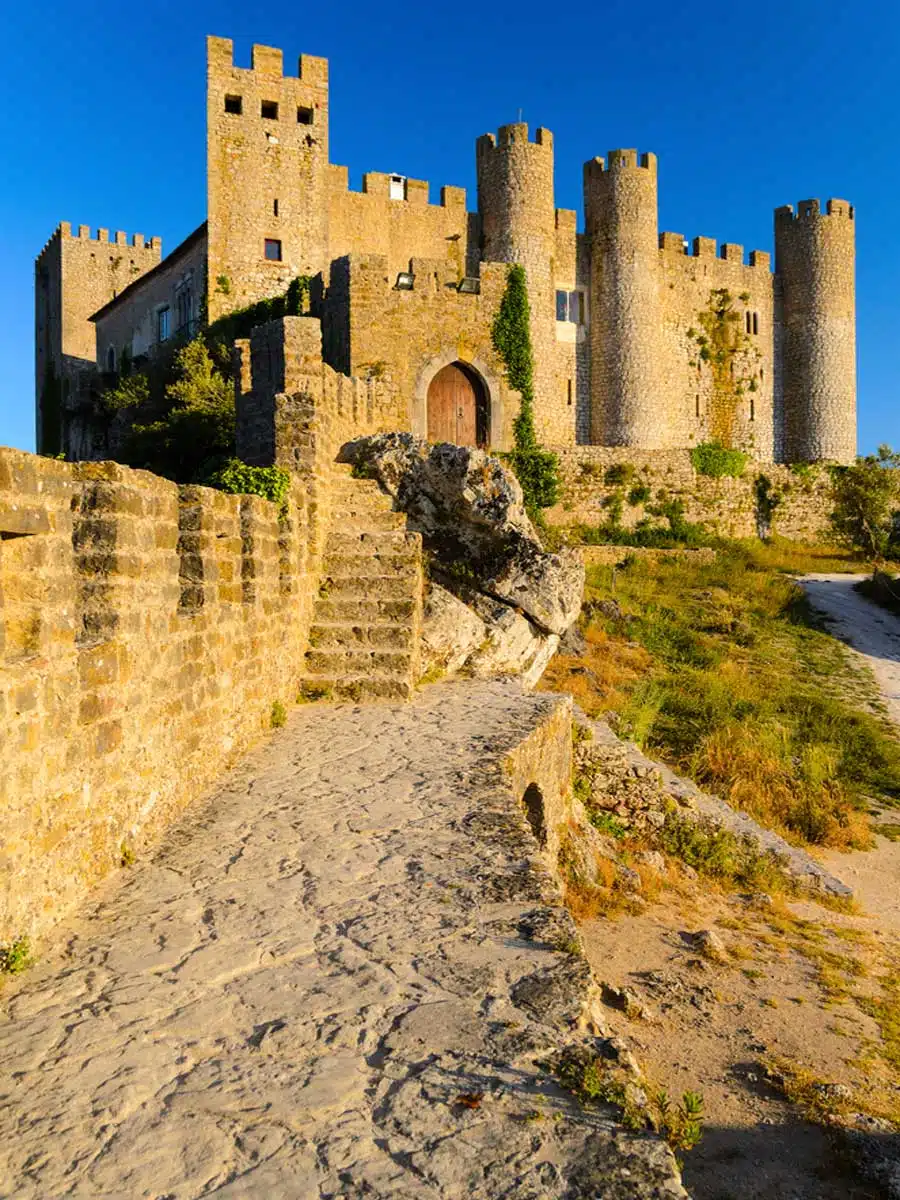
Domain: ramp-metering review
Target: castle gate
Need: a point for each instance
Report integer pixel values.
(457, 407)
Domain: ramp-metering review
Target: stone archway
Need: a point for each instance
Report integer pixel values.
(457, 407)
(488, 392)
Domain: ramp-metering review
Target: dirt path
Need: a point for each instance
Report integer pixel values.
(871, 630)
(874, 634)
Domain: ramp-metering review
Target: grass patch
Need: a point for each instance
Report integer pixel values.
(720, 668)
(15, 956)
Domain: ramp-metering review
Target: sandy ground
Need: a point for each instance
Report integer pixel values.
(709, 1027)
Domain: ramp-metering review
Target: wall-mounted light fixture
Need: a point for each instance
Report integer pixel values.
(469, 286)
(405, 281)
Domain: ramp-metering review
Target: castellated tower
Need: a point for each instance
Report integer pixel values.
(518, 220)
(267, 162)
(814, 260)
(627, 404)
(74, 275)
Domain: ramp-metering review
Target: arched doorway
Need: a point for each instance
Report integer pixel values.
(457, 407)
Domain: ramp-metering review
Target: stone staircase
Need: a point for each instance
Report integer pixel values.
(364, 638)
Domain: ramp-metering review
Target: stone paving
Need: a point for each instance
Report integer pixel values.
(336, 977)
(871, 630)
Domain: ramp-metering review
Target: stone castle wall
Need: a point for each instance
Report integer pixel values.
(726, 506)
(373, 328)
(146, 629)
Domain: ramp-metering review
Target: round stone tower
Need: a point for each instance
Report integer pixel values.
(518, 223)
(627, 403)
(814, 262)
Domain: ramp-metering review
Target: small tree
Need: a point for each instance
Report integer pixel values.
(866, 496)
(195, 432)
(536, 469)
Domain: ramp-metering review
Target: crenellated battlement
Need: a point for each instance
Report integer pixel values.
(267, 62)
(812, 209)
(703, 247)
(513, 135)
(621, 160)
(378, 183)
(135, 241)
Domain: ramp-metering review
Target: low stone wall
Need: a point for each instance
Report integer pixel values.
(727, 506)
(147, 630)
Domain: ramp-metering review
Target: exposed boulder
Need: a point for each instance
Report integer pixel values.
(470, 512)
(451, 630)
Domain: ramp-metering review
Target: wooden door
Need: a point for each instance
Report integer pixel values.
(452, 407)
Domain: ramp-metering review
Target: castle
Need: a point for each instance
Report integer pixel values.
(639, 340)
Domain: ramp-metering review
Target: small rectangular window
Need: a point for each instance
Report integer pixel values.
(569, 391)
(304, 116)
(756, 322)
(273, 250)
(162, 325)
(576, 308)
(562, 306)
(752, 409)
(269, 110)
(747, 322)
(234, 105)
(275, 208)
(397, 187)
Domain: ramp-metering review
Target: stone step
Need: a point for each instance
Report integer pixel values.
(365, 687)
(345, 517)
(369, 488)
(356, 587)
(358, 663)
(370, 542)
(335, 635)
(371, 566)
(371, 612)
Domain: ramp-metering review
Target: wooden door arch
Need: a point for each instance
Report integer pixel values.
(457, 407)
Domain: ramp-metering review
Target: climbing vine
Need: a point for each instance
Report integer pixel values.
(536, 469)
(731, 356)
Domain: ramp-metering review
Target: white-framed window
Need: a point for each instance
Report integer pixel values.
(163, 324)
(571, 306)
(397, 187)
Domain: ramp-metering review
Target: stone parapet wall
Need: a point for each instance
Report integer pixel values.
(727, 506)
(147, 630)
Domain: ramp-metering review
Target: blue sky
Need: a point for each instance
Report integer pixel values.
(748, 106)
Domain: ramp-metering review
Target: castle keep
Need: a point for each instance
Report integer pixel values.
(640, 338)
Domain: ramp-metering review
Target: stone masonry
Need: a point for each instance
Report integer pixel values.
(403, 286)
(147, 629)
(346, 974)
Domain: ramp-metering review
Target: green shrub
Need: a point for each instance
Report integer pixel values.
(619, 474)
(278, 716)
(272, 483)
(536, 469)
(715, 460)
(639, 494)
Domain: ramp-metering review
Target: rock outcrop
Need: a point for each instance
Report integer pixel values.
(513, 599)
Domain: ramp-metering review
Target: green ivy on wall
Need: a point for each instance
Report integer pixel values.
(536, 469)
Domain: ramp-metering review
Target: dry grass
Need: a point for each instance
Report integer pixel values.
(721, 669)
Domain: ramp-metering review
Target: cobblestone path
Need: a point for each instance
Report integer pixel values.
(333, 979)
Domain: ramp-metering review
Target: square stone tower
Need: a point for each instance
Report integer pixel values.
(267, 163)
